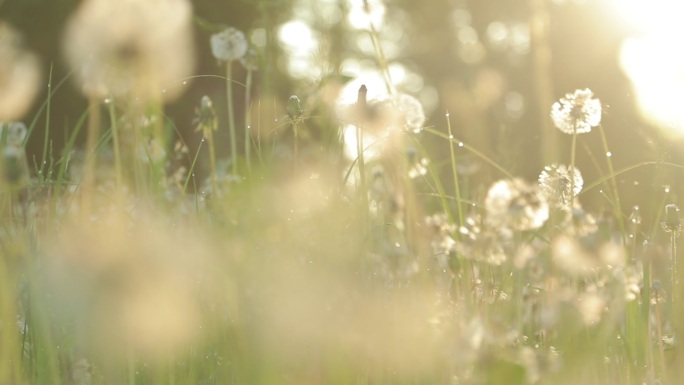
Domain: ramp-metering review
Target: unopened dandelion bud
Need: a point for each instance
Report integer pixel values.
(229, 45)
(294, 108)
(15, 170)
(13, 133)
(362, 97)
(206, 120)
(672, 222)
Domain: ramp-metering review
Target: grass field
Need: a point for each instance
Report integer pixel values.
(344, 235)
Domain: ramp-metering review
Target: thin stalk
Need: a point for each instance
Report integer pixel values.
(438, 184)
(379, 53)
(191, 171)
(296, 144)
(471, 149)
(212, 162)
(116, 145)
(572, 165)
(616, 195)
(46, 140)
(362, 172)
(248, 119)
(231, 117)
(674, 277)
(454, 172)
(90, 158)
(659, 334)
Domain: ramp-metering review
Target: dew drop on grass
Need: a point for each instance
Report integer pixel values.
(397, 244)
(451, 137)
(609, 154)
(447, 114)
(185, 82)
(108, 100)
(460, 144)
(666, 188)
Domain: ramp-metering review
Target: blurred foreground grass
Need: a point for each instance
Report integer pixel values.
(332, 247)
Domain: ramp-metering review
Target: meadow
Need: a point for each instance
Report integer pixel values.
(360, 227)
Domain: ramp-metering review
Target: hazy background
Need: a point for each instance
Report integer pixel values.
(453, 58)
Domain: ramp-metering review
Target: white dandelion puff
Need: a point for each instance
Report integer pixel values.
(577, 112)
(558, 188)
(229, 45)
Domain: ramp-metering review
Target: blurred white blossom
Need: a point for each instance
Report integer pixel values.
(557, 187)
(19, 75)
(131, 48)
(229, 45)
(516, 203)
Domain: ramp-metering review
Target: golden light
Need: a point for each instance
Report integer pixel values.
(301, 44)
(653, 60)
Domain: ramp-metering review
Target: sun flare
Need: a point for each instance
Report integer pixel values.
(652, 61)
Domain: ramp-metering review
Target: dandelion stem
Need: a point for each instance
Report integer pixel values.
(46, 141)
(673, 272)
(471, 149)
(212, 162)
(616, 195)
(90, 158)
(248, 119)
(572, 165)
(231, 117)
(116, 144)
(362, 171)
(454, 171)
(380, 56)
(296, 145)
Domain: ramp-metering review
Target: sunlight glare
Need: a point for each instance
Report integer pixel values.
(360, 18)
(650, 15)
(301, 43)
(652, 60)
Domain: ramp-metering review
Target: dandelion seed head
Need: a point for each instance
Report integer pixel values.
(130, 48)
(229, 45)
(250, 60)
(516, 203)
(412, 112)
(577, 112)
(19, 75)
(556, 185)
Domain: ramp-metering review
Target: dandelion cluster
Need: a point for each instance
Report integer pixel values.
(516, 203)
(577, 112)
(162, 258)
